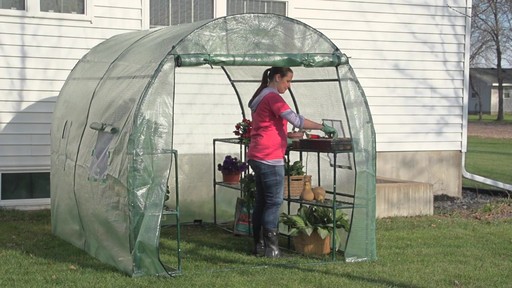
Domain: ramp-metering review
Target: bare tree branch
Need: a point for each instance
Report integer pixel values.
(491, 36)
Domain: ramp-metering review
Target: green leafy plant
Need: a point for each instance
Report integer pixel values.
(248, 183)
(296, 169)
(310, 219)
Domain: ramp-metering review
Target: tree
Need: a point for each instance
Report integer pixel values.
(491, 38)
(474, 91)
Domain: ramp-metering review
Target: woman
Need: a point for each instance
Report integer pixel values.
(270, 116)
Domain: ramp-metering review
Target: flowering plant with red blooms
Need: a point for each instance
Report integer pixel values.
(243, 130)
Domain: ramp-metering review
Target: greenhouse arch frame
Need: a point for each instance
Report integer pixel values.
(113, 127)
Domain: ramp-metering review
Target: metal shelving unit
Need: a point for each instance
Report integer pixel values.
(340, 200)
(334, 204)
(216, 182)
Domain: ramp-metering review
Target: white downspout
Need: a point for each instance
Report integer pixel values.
(482, 179)
(465, 96)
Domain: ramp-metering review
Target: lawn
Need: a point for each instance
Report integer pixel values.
(488, 118)
(433, 251)
(489, 157)
(430, 251)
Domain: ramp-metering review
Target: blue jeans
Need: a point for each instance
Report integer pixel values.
(269, 195)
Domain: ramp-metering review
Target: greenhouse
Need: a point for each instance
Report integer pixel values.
(119, 116)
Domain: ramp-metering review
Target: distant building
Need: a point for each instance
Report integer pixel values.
(484, 82)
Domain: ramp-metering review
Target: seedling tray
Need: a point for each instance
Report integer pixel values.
(325, 144)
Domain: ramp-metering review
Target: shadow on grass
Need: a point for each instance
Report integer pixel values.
(207, 248)
(29, 232)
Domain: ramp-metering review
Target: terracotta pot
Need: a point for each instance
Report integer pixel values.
(231, 178)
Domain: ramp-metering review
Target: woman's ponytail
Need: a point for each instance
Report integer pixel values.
(264, 83)
(268, 75)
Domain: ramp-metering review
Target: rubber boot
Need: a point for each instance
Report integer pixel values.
(271, 241)
(259, 246)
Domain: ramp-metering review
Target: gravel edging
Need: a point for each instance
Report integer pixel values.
(478, 204)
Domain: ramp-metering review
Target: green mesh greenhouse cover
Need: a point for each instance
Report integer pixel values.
(113, 127)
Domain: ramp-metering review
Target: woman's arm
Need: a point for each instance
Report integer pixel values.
(308, 124)
(300, 121)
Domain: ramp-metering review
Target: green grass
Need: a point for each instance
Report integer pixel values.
(490, 118)
(431, 251)
(491, 158)
(434, 251)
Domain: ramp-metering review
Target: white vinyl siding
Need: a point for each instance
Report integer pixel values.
(39, 49)
(409, 57)
(193, 111)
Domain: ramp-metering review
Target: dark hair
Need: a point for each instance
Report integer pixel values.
(268, 75)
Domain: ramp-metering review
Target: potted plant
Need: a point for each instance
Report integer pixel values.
(296, 169)
(313, 226)
(231, 169)
(294, 178)
(248, 183)
(243, 131)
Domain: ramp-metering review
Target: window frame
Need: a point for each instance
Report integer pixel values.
(33, 10)
(20, 2)
(34, 203)
(62, 4)
(507, 92)
(214, 3)
(286, 6)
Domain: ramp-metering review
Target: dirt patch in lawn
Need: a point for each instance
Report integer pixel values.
(490, 129)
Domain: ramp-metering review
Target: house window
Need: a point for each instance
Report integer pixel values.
(507, 93)
(174, 12)
(63, 6)
(12, 4)
(473, 95)
(25, 186)
(256, 6)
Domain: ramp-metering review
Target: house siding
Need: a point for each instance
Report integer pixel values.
(37, 52)
(409, 57)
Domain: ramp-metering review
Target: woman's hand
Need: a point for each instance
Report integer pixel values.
(329, 131)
